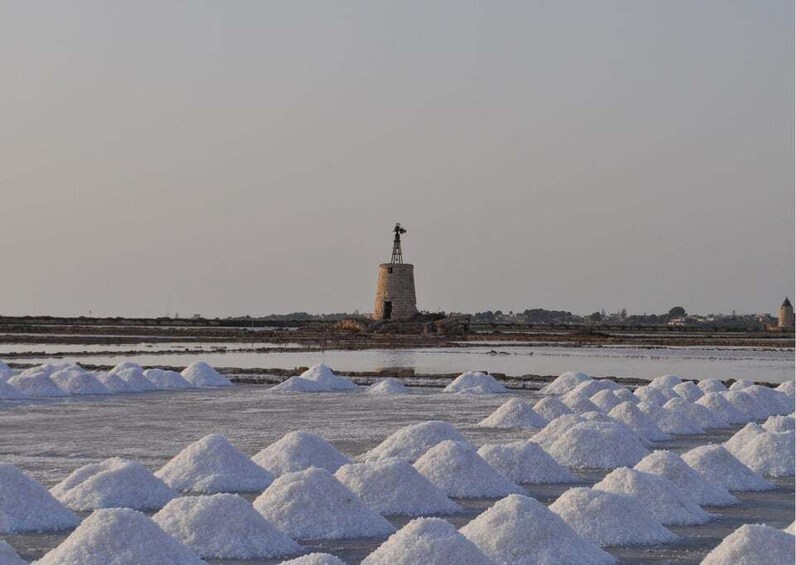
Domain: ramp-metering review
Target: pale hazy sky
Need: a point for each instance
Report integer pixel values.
(241, 157)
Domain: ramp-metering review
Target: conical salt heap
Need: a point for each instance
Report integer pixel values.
(667, 503)
(671, 466)
(430, 541)
(26, 506)
(312, 504)
(456, 468)
(772, 401)
(323, 375)
(605, 400)
(166, 380)
(75, 380)
(745, 404)
(513, 414)
(113, 483)
(223, 526)
(300, 450)
(788, 387)
(525, 462)
(5, 371)
(754, 544)
(720, 406)
(114, 383)
(697, 413)
(579, 403)
(688, 391)
(670, 421)
(411, 442)
(119, 536)
(711, 385)
(201, 374)
(565, 383)
(9, 392)
(8, 556)
(780, 424)
(476, 382)
(297, 384)
(394, 488)
(741, 384)
(519, 530)
(133, 375)
(718, 466)
(597, 445)
(769, 453)
(315, 559)
(666, 381)
(631, 416)
(387, 386)
(554, 429)
(607, 518)
(551, 408)
(212, 464)
(36, 385)
(742, 437)
(654, 395)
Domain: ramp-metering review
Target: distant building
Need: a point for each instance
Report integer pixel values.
(785, 315)
(395, 291)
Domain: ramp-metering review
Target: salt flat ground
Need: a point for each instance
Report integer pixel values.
(49, 439)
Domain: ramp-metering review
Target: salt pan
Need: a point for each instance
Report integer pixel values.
(525, 462)
(487, 384)
(26, 506)
(718, 466)
(514, 414)
(413, 441)
(754, 544)
(670, 465)
(300, 450)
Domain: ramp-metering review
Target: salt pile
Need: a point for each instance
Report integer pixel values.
(605, 400)
(315, 559)
(297, 384)
(211, 465)
(476, 382)
(745, 404)
(393, 487)
(520, 530)
(667, 503)
(116, 536)
(670, 421)
(721, 407)
(607, 518)
(565, 383)
(551, 408)
(5, 371)
(742, 437)
(788, 387)
(430, 541)
(671, 466)
(666, 381)
(688, 391)
(718, 466)
(74, 380)
(166, 380)
(632, 417)
(323, 375)
(8, 556)
(113, 483)
(791, 529)
(387, 386)
(26, 506)
(525, 462)
(114, 383)
(772, 401)
(297, 451)
(654, 395)
(579, 403)
(413, 441)
(133, 375)
(597, 445)
(551, 431)
(312, 504)
(754, 544)
(456, 468)
(741, 384)
(780, 424)
(769, 453)
(36, 385)
(8, 392)
(625, 395)
(201, 374)
(592, 387)
(711, 385)
(697, 413)
(223, 526)
(513, 414)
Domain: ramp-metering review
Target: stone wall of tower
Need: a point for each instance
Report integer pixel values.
(785, 316)
(397, 286)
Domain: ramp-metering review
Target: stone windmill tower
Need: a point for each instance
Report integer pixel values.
(395, 292)
(785, 315)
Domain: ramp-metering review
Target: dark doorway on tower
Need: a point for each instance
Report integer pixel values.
(387, 309)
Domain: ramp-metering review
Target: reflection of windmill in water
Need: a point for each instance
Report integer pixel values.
(395, 292)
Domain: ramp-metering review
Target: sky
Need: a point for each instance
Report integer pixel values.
(248, 157)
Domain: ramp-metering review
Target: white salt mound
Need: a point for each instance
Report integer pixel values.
(791, 529)
(788, 387)
(113, 483)
(513, 414)
(477, 382)
(671, 466)
(201, 374)
(5, 371)
(387, 386)
(323, 375)
(119, 536)
(44, 369)
(745, 404)
(133, 375)
(772, 401)
(655, 395)
(780, 424)
(711, 385)
(667, 503)
(519, 530)
(666, 381)
(37, 385)
(393, 487)
(26, 506)
(297, 384)
(631, 416)
(456, 468)
(605, 400)
(8, 556)
(597, 445)
(670, 421)
(525, 462)
(551, 408)
(9, 392)
(741, 384)
(315, 559)
(688, 391)
(114, 383)
(742, 437)
(312, 504)
(300, 450)
(579, 403)
(74, 380)
(166, 380)
(592, 387)
(223, 526)
(554, 429)
(427, 541)
(565, 383)
(754, 544)
(625, 395)
(413, 441)
(718, 466)
(703, 417)
(212, 464)
(721, 407)
(608, 518)
(770, 454)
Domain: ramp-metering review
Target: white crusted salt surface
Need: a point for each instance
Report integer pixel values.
(720, 406)
(315, 559)
(525, 462)
(312, 504)
(387, 386)
(223, 526)
(608, 518)
(113, 483)
(26, 506)
(780, 424)
(212, 464)
(565, 382)
(605, 400)
(667, 503)
(579, 403)
(719, 466)
(427, 541)
(9, 392)
(687, 390)
(300, 450)
(75, 380)
(597, 445)
(670, 465)
(745, 404)
(114, 383)
(666, 381)
(519, 530)
(551, 408)
(770, 454)
(558, 426)
(393, 487)
(485, 383)
(711, 385)
(413, 441)
(324, 376)
(639, 422)
(119, 536)
(514, 413)
(703, 416)
(741, 384)
(456, 468)
(754, 544)
(37, 385)
(670, 421)
(166, 380)
(297, 384)
(201, 374)
(8, 556)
